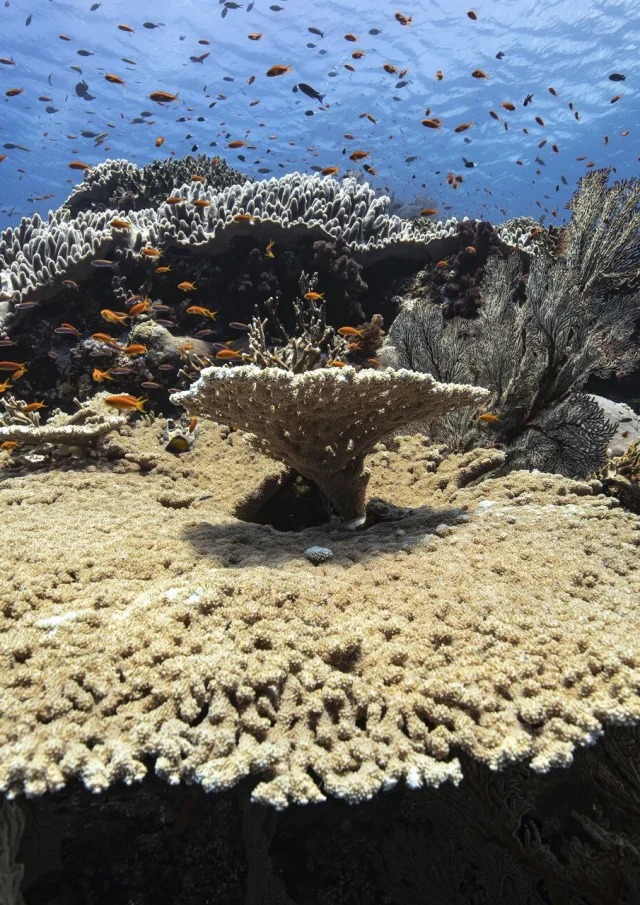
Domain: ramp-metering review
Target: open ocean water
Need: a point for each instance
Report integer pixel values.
(58, 54)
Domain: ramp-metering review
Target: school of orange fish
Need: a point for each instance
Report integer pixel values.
(166, 99)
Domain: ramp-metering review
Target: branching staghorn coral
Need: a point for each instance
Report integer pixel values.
(79, 429)
(536, 355)
(322, 422)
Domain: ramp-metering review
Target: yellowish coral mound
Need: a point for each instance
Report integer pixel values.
(144, 626)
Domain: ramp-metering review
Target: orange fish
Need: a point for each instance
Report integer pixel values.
(120, 224)
(470, 249)
(152, 252)
(186, 286)
(125, 402)
(135, 349)
(236, 144)
(431, 123)
(463, 127)
(139, 308)
(200, 202)
(402, 73)
(255, 36)
(442, 264)
(338, 364)
(34, 406)
(489, 418)
(3, 157)
(479, 74)
(428, 211)
(174, 199)
(359, 155)
(162, 97)
(374, 362)
(389, 68)
(12, 366)
(113, 317)
(227, 354)
(494, 114)
(473, 16)
(78, 165)
(553, 91)
(540, 120)
(329, 171)
(439, 75)
(126, 28)
(159, 141)
(403, 20)
(268, 251)
(196, 178)
(192, 425)
(278, 70)
(350, 37)
(5, 385)
(105, 338)
(314, 296)
(612, 101)
(349, 331)
(100, 376)
(12, 92)
(9, 445)
(508, 106)
(244, 218)
(114, 79)
(358, 54)
(163, 269)
(349, 67)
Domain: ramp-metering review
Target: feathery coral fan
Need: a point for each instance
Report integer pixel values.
(535, 356)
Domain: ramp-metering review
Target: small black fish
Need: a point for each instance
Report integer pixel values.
(49, 79)
(29, 18)
(467, 141)
(82, 88)
(311, 45)
(332, 75)
(499, 54)
(469, 164)
(528, 99)
(276, 9)
(540, 161)
(85, 53)
(51, 109)
(310, 92)
(222, 14)
(402, 83)
(410, 159)
(564, 180)
(315, 31)
(95, 6)
(231, 5)
(194, 148)
(228, 78)
(87, 134)
(375, 31)
(265, 170)
(308, 112)
(152, 25)
(75, 69)
(250, 7)
(127, 60)
(11, 147)
(617, 77)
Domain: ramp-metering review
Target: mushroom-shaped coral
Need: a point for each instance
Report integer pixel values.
(323, 422)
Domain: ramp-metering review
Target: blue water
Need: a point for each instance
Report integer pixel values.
(570, 46)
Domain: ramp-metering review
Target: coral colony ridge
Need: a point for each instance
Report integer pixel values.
(314, 504)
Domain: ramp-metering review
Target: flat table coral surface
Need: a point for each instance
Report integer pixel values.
(145, 627)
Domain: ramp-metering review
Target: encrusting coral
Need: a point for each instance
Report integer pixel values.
(145, 627)
(323, 422)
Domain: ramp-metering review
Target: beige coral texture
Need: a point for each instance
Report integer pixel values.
(144, 626)
(323, 422)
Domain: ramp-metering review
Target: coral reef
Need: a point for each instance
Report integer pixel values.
(620, 477)
(322, 423)
(121, 185)
(146, 628)
(535, 354)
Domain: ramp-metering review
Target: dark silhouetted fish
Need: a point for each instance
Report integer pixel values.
(310, 92)
(152, 25)
(11, 147)
(468, 163)
(375, 31)
(315, 31)
(617, 77)
(499, 54)
(85, 53)
(95, 6)
(29, 19)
